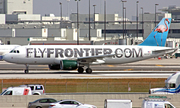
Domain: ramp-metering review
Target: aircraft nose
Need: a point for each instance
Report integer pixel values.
(6, 57)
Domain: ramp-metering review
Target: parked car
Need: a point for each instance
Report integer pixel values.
(41, 103)
(37, 89)
(70, 104)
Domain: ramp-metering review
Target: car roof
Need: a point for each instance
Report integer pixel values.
(68, 100)
(17, 87)
(44, 98)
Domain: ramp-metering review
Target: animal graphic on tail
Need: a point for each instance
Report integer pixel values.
(161, 29)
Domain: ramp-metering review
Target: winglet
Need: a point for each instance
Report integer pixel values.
(159, 35)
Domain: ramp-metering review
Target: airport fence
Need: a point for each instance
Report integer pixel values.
(77, 87)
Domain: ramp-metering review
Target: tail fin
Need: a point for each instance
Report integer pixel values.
(159, 35)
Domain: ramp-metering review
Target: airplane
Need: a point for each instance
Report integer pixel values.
(71, 57)
(4, 49)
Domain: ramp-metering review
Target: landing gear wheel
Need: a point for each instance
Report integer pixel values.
(88, 70)
(26, 71)
(27, 68)
(80, 70)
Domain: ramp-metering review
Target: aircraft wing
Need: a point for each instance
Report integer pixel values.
(90, 59)
(170, 50)
(93, 59)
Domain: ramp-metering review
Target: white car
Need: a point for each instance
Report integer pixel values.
(70, 104)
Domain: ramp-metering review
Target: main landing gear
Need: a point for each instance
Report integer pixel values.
(88, 70)
(81, 70)
(27, 69)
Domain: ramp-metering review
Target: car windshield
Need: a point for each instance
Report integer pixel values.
(8, 93)
(172, 85)
(3, 92)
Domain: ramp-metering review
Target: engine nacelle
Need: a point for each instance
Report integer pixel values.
(68, 64)
(54, 66)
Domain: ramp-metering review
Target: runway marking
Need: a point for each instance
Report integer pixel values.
(82, 76)
(128, 69)
(110, 65)
(159, 65)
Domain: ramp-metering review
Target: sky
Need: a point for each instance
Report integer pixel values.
(112, 6)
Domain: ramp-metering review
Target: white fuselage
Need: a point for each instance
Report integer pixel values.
(52, 54)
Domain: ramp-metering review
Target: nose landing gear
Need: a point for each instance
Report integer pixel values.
(26, 71)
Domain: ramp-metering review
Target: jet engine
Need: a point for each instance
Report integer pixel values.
(64, 65)
(68, 64)
(54, 66)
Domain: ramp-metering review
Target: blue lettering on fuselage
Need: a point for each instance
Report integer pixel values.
(81, 52)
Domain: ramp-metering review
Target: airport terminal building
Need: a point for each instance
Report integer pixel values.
(18, 25)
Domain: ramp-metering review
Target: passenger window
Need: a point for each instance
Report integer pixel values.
(43, 101)
(73, 102)
(32, 87)
(52, 100)
(39, 88)
(66, 102)
(8, 93)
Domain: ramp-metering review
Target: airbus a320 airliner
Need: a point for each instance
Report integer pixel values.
(71, 57)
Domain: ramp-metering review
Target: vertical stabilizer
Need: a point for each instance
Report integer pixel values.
(159, 35)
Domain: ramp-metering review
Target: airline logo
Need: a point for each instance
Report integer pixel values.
(82, 52)
(26, 91)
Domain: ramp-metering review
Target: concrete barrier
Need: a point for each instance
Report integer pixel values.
(94, 99)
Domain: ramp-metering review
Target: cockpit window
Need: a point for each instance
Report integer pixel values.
(14, 51)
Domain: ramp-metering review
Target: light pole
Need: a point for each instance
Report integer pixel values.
(137, 18)
(125, 20)
(60, 9)
(77, 23)
(89, 23)
(155, 13)
(94, 16)
(142, 24)
(123, 14)
(68, 8)
(104, 19)
(60, 14)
